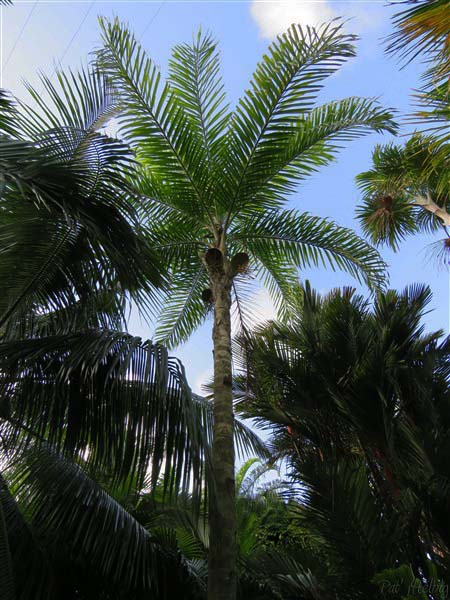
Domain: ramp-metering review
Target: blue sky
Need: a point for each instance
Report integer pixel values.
(56, 31)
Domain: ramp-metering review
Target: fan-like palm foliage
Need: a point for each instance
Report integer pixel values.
(406, 191)
(213, 183)
(357, 399)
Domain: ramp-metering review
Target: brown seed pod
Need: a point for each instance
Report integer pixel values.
(239, 263)
(214, 259)
(386, 202)
(207, 296)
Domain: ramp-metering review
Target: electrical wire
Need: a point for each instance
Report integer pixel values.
(72, 39)
(157, 11)
(20, 33)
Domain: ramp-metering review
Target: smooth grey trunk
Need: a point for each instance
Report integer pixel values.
(428, 204)
(222, 517)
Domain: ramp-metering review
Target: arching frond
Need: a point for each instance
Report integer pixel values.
(82, 527)
(194, 75)
(285, 85)
(121, 403)
(292, 238)
(183, 309)
(422, 28)
(65, 196)
(83, 101)
(312, 141)
(153, 120)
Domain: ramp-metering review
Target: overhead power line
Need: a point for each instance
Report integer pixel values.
(77, 31)
(20, 33)
(156, 13)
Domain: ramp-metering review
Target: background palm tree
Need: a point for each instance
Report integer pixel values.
(356, 399)
(406, 191)
(212, 183)
(408, 188)
(73, 256)
(70, 237)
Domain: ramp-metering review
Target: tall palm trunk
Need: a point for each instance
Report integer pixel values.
(222, 519)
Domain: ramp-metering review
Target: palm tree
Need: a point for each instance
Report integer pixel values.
(70, 236)
(422, 30)
(211, 187)
(71, 383)
(406, 191)
(356, 398)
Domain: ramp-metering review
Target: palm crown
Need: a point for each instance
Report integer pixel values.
(212, 177)
(406, 191)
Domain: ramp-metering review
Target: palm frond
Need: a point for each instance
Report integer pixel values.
(285, 85)
(183, 309)
(312, 141)
(422, 28)
(83, 101)
(33, 575)
(8, 114)
(122, 403)
(84, 528)
(300, 239)
(154, 122)
(66, 197)
(194, 75)
(6, 568)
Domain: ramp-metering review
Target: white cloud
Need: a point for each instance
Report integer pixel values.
(264, 306)
(275, 17)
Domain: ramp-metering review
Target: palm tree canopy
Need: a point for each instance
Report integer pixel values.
(69, 231)
(356, 399)
(208, 173)
(407, 190)
(423, 30)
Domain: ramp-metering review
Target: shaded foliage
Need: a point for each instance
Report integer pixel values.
(356, 398)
